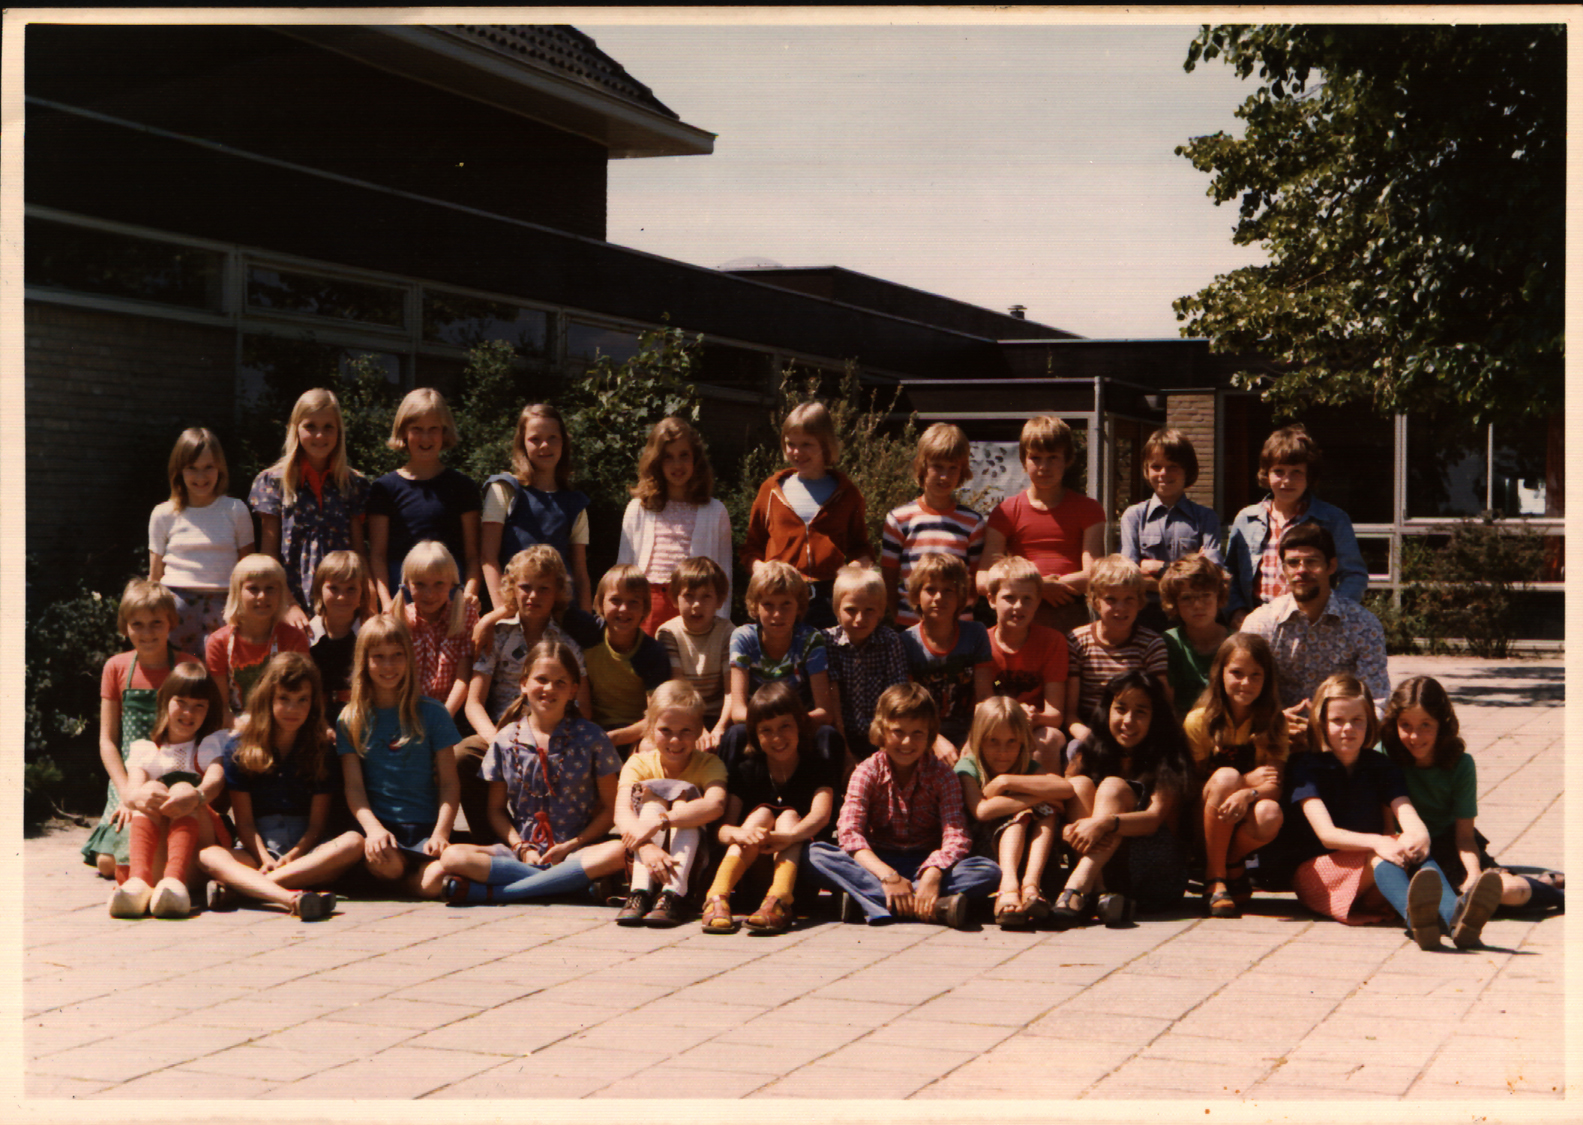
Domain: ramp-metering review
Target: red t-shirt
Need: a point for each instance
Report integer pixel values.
(113, 681)
(1042, 659)
(1051, 540)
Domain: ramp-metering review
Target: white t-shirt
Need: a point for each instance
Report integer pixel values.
(178, 757)
(200, 545)
(500, 497)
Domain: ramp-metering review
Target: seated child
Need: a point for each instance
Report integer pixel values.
(903, 846)
(1111, 644)
(777, 645)
(948, 656)
(342, 599)
(440, 620)
(664, 799)
(866, 657)
(1030, 659)
(1192, 589)
(935, 523)
(627, 664)
(255, 629)
(1167, 526)
(698, 639)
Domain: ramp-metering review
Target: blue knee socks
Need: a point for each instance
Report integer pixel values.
(1543, 896)
(1392, 882)
(563, 878)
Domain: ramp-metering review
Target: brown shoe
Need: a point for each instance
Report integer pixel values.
(636, 909)
(717, 917)
(772, 917)
(952, 911)
(669, 910)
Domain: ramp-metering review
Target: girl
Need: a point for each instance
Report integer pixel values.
(277, 770)
(255, 629)
(672, 516)
(778, 645)
(170, 784)
(1140, 777)
(395, 747)
(441, 621)
(780, 795)
(1421, 734)
(552, 795)
(197, 536)
(664, 799)
(128, 709)
(342, 599)
(310, 503)
(1353, 864)
(423, 499)
(1237, 735)
(535, 503)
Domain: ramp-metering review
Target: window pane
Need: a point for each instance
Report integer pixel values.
(275, 370)
(586, 342)
(1446, 468)
(63, 256)
(1376, 551)
(1520, 471)
(285, 291)
(452, 318)
(743, 368)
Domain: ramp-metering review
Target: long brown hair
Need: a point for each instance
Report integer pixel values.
(255, 751)
(651, 490)
(1268, 718)
(1428, 693)
(191, 445)
(562, 654)
(187, 680)
(521, 467)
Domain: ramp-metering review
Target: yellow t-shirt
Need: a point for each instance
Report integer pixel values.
(1267, 751)
(703, 771)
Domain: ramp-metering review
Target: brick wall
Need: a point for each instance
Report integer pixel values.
(1194, 415)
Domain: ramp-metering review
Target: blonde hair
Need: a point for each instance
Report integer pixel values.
(1045, 433)
(904, 701)
(1191, 572)
(255, 749)
(1010, 569)
(623, 576)
(342, 566)
(855, 578)
(677, 695)
(539, 559)
(1342, 685)
(144, 593)
(1113, 572)
(999, 710)
(521, 467)
(943, 442)
(776, 577)
(191, 445)
(651, 490)
(940, 567)
(357, 716)
(813, 419)
(431, 558)
(421, 403)
(257, 568)
(290, 464)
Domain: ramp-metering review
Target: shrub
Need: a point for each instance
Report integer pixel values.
(1464, 587)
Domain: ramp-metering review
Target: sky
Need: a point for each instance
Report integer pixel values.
(998, 165)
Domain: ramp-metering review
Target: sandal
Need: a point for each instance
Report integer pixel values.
(773, 916)
(1034, 904)
(1219, 901)
(1070, 908)
(717, 917)
(1009, 914)
(1240, 885)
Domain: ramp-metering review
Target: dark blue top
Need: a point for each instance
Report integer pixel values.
(1356, 801)
(539, 517)
(284, 790)
(423, 509)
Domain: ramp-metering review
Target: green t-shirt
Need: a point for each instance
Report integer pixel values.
(1441, 796)
(1189, 670)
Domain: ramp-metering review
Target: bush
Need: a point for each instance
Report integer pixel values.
(1463, 589)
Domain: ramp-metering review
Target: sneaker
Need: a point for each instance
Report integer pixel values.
(1114, 910)
(130, 899)
(1474, 909)
(222, 897)
(952, 910)
(1423, 908)
(638, 904)
(170, 899)
(669, 910)
(850, 910)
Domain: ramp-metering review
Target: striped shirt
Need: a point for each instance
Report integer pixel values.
(913, 530)
(673, 539)
(1095, 663)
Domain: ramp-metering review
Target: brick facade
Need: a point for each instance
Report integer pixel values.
(1194, 415)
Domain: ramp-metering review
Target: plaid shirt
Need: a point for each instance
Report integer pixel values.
(1272, 579)
(439, 656)
(862, 675)
(926, 812)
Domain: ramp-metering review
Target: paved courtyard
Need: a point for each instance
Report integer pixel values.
(416, 1000)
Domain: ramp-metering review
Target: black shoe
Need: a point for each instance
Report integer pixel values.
(850, 910)
(669, 910)
(952, 911)
(639, 903)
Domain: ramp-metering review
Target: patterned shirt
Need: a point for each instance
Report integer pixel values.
(863, 672)
(1272, 579)
(673, 539)
(926, 812)
(950, 676)
(1095, 663)
(805, 656)
(551, 797)
(1347, 638)
(439, 656)
(914, 530)
(311, 528)
(503, 655)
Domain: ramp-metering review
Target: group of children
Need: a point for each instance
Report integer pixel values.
(629, 733)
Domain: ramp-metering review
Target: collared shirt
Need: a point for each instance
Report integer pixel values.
(502, 656)
(1152, 530)
(1272, 576)
(313, 525)
(863, 673)
(1346, 638)
(562, 785)
(926, 812)
(439, 656)
(1354, 799)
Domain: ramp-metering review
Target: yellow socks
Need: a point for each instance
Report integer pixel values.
(785, 876)
(726, 878)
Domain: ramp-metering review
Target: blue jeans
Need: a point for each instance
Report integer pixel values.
(973, 876)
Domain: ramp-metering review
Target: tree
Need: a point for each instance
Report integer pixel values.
(1408, 186)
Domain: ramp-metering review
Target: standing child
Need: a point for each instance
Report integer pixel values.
(935, 523)
(552, 795)
(197, 536)
(441, 620)
(255, 629)
(1167, 526)
(627, 664)
(902, 844)
(1114, 643)
(673, 516)
(1422, 736)
(310, 503)
(1030, 659)
(342, 599)
(423, 499)
(865, 656)
(1059, 530)
(665, 797)
(778, 645)
(698, 639)
(277, 771)
(1192, 590)
(779, 796)
(170, 786)
(535, 503)
(397, 762)
(128, 710)
(810, 515)
(950, 657)
(1237, 736)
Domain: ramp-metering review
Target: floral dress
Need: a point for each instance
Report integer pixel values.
(313, 526)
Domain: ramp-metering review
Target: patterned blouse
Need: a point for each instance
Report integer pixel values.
(551, 793)
(312, 527)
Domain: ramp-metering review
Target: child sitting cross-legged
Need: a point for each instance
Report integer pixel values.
(1110, 645)
(902, 850)
(866, 657)
(1030, 659)
(948, 656)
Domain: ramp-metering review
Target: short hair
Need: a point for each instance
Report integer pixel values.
(776, 577)
(1290, 445)
(420, 403)
(651, 491)
(939, 567)
(904, 701)
(1342, 685)
(187, 680)
(771, 701)
(943, 442)
(1113, 572)
(699, 570)
(673, 695)
(521, 467)
(540, 558)
(144, 593)
(854, 578)
(253, 568)
(1309, 533)
(341, 566)
(1047, 434)
(190, 445)
(623, 576)
(813, 419)
(1009, 569)
(1192, 571)
(1173, 445)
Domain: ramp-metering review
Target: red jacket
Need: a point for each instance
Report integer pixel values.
(837, 535)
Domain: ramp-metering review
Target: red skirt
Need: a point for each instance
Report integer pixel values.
(662, 609)
(1332, 885)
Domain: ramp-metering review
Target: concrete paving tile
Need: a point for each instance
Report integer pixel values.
(861, 1013)
(1477, 1098)
(107, 1062)
(771, 1030)
(669, 1080)
(725, 1053)
(1502, 1063)
(180, 995)
(472, 994)
(613, 996)
(1056, 1078)
(1440, 1010)
(184, 1083)
(1105, 1027)
(1376, 1079)
(889, 987)
(403, 1013)
(311, 993)
(866, 1054)
(337, 1037)
(1235, 1023)
(59, 1086)
(1185, 1047)
(974, 1088)
(1258, 985)
(270, 1063)
(1361, 1043)
(1134, 993)
(496, 1034)
(674, 1009)
(521, 1079)
(914, 1031)
(821, 1081)
(969, 1009)
(628, 1034)
(1309, 962)
(570, 1060)
(401, 1072)
(1217, 1077)
(40, 1040)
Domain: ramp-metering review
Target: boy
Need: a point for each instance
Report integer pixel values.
(627, 663)
(948, 656)
(698, 641)
(935, 523)
(1166, 526)
(1114, 643)
(810, 515)
(779, 645)
(1192, 589)
(1030, 659)
(903, 842)
(865, 656)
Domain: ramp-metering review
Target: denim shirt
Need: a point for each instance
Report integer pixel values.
(1150, 530)
(1250, 530)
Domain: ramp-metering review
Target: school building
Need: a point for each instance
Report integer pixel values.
(213, 210)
